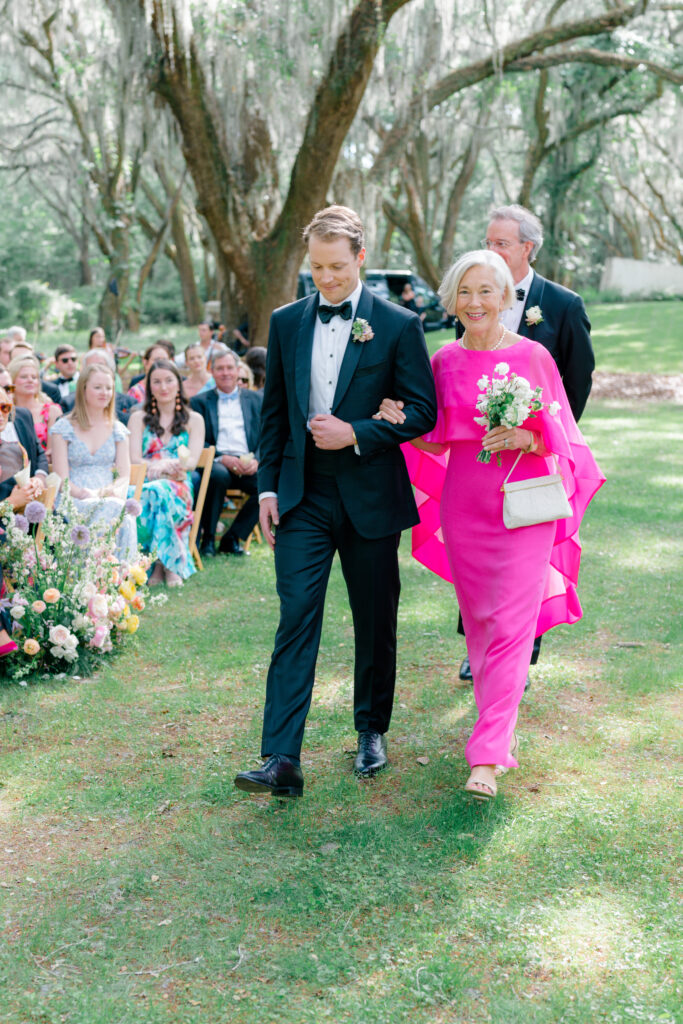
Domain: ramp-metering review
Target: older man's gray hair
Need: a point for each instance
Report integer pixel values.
(99, 355)
(219, 350)
(530, 227)
(16, 333)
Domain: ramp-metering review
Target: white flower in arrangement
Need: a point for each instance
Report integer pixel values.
(554, 408)
(501, 368)
(81, 622)
(59, 635)
(483, 382)
(183, 455)
(506, 402)
(18, 611)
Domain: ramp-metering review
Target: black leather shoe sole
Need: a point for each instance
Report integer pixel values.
(252, 786)
(367, 773)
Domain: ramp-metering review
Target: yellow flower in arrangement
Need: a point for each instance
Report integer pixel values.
(51, 595)
(127, 590)
(139, 574)
(133, 623)
(38, 607)
(31, 646)
(126, 611)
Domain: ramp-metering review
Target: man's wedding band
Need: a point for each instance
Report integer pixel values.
(506, 442)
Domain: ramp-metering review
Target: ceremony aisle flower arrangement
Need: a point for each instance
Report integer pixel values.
(70, 600)
(507, 401)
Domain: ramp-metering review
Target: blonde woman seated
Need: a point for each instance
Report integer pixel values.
(28, 394)
(168, 436)
(198, 377)
(90, 450)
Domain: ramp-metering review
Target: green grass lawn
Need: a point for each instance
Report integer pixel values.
(139, 887)
(628, 337)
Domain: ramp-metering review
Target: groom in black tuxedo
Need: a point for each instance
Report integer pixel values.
(331, 478)
(545, 312)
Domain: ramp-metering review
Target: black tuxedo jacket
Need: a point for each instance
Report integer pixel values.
(26, 432)
(565, 332)
(250, 401)
(374, 486)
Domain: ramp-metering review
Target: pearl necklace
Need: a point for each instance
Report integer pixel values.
(492, 349)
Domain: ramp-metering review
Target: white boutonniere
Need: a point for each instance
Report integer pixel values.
(361, 330)
(534, 316)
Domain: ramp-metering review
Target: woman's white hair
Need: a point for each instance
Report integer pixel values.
(448, 289)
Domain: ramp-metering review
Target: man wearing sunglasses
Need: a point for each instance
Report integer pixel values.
(66, 363)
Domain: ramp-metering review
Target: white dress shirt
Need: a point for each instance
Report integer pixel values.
(329, 345)
(512, 318)
(232, 436)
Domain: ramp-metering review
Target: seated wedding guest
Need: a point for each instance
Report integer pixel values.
(122, 403)
(206, 339)
(169, 353)
(232, 416)
(19, 448)
(511, 584)
(66, 365)
(255, 359)
(90, 446)
(245, 378)
(149, 356)
(168, 436)
(6, 346)
(198, 377)
(29, 394)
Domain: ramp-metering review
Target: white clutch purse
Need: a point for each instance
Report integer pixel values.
(540, 499)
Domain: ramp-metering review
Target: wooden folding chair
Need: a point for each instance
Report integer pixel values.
(204, 463)
(47, 498)
(238, 498)
(138, 472)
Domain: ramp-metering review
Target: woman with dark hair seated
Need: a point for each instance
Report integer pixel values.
(158, 350)
(168, 436)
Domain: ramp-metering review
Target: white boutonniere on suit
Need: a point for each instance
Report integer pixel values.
(534, 316)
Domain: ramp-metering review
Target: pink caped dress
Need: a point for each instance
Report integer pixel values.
(511, 585)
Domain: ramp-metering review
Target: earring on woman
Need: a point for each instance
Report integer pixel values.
(154, 407)
(178, 403)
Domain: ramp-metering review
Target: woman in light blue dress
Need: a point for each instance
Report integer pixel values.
(90, 448)
(168, 436)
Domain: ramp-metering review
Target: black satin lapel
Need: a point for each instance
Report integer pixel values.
(213, 412)
(304, 353)
(354, 349)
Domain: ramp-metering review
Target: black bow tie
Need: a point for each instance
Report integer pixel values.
(521, 294)
(63, 380)
(345, 311)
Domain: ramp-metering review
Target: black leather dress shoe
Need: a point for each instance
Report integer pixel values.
(372, 754)
(207, 550)
(465, 671)
(230, 545)
(279, 777)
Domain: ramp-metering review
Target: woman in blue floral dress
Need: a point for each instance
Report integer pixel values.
(168, 436)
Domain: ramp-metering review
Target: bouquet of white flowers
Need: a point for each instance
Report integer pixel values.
(507, 401)
(70, 600)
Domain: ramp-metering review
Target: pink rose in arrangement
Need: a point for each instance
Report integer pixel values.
(31, 646)
(98, 606)
(38, 607)
(99, 636)
(51, 595)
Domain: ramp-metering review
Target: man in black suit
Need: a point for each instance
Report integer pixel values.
(544, 312)
(233, 424)
(333, 479)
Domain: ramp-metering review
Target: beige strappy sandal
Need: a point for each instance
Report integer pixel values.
(479, 785)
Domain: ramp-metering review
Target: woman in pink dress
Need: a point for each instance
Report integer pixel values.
(511, 585)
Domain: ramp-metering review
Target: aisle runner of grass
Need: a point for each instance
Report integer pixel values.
(138, 887)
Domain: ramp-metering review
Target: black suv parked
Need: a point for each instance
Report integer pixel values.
(388, 284)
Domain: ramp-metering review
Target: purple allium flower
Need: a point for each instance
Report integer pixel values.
(133, 507)
(21, 523)
(35, 512)
(80, 535)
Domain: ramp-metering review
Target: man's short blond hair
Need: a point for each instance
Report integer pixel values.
(337, 222)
